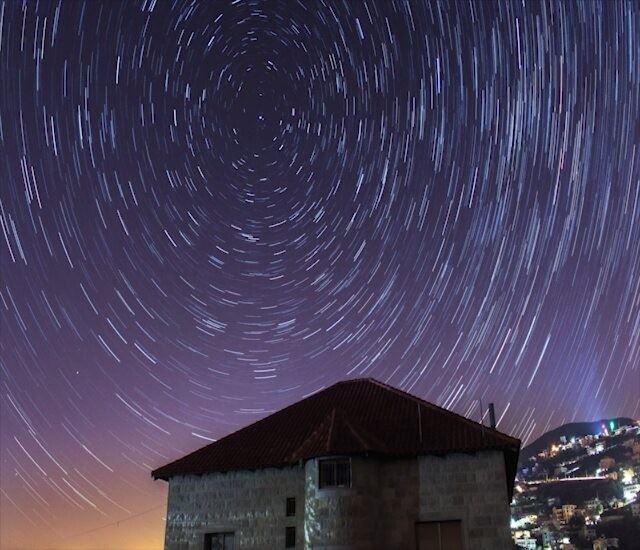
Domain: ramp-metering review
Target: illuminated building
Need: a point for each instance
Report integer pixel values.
(359, 464)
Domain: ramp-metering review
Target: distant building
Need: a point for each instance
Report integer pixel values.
(593, 504)
(552, 501)
(631, 492)
(526, 544)
(548, 535)
(605, 544)
(563, 514)
(359, 465)
(607, 463)
(558, 515)
(588, 532)
(567, 511)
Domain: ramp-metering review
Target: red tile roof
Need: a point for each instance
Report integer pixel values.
(353, 417)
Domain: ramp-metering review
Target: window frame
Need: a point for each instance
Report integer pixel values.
(290, 507)
(207, 538)
(336, 460)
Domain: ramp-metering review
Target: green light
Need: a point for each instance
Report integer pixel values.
(612, 425)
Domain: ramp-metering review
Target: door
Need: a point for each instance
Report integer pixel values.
(439, 535)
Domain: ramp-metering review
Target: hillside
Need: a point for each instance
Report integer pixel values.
(573, 429)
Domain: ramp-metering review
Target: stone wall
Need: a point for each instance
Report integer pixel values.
(472, 488)
(379, 511)
(251, 504)
(342, 518)
(399, 492)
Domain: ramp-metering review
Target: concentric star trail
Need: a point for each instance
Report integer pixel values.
(212, 209)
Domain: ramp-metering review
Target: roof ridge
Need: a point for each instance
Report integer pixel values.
(437, 407)
(332, 425)
(330, 413)
(361, 434)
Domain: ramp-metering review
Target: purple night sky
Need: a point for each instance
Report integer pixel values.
(212, 209)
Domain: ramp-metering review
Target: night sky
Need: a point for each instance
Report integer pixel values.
(210, 210)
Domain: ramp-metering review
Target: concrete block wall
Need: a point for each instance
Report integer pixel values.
(399, 484)
(379, 511)
(252, 504)
(472, 488)
(342, 518)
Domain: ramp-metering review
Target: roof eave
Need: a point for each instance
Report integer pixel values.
(165, 473)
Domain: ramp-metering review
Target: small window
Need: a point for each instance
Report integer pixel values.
(291, 506)
(219, 541)
(334, 472)
(290, 537)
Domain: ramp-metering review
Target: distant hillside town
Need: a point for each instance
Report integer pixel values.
(578, 487)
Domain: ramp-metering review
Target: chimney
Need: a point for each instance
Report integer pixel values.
(492, 415)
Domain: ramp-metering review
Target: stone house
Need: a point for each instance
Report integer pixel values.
(359, 465)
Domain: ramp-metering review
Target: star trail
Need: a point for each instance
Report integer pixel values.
(212, 209)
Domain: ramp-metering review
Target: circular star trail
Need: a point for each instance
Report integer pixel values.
(212, 209)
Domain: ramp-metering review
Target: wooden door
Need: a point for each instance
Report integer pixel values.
(439, 535)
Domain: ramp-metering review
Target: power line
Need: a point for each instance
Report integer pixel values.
(114, 523)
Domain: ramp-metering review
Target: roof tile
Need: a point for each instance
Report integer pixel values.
(361, 416)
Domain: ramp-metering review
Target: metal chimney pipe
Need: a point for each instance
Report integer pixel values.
(492, 415)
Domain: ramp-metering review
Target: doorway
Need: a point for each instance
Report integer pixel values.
(439, 535)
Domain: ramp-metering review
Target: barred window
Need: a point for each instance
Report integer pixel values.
(334, 472)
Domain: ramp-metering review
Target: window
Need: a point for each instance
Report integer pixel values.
(290, 537)
(439, 535)
(291, 506)
(219, 541)
(334, 472)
